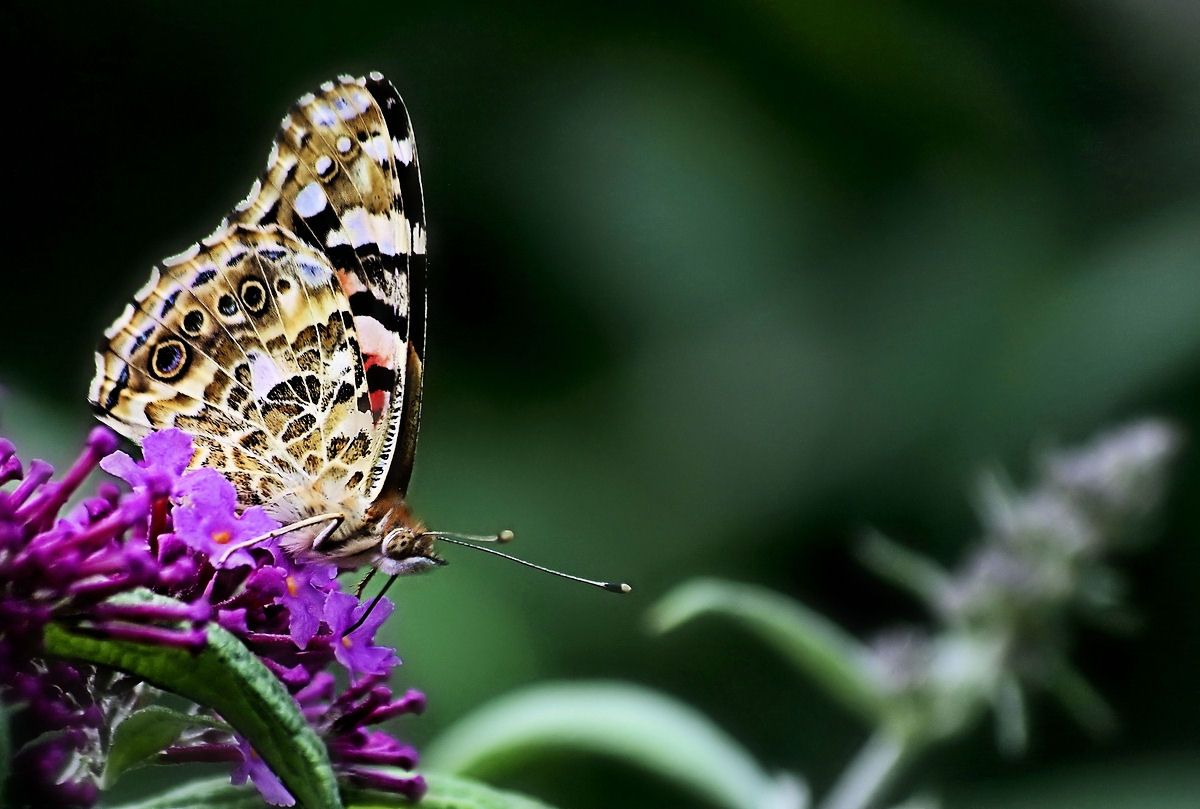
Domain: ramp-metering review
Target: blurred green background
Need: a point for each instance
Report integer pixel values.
(714, 287)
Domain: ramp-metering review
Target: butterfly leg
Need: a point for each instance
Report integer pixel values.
(327, 531)
(335, 520)
(362, 585)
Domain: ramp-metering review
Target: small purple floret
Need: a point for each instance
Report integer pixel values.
(354, 649)
(207, 521)
(254, 768)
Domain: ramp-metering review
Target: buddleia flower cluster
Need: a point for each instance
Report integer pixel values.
(176, 533)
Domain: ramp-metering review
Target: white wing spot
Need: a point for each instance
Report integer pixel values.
(321, 115)
(357, 225)
(323, 165)
(377, 149)
(344, 109)
(361, 100)
(360, 227)
(251, 198)
(149, 286)
(98, 379)
(403, 149)
(219, 235)
(313, 274)
(120, 323)
(182, 258)
(343, 144)
(310, 201)
(264, 372)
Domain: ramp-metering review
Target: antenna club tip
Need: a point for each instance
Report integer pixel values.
(505, 536)
(620, 587)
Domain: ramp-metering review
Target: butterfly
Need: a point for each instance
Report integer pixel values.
(290, 343)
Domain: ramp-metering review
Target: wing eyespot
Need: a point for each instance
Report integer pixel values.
(169, 359)
(227, 306)
(253, 295)
(193, 323)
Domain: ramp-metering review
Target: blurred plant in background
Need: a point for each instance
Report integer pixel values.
(1003, 623)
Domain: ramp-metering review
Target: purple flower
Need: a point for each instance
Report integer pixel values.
(177, 533)
(52, 566)
(269, 786)
(342, 722)
(306, 589)
(206, 519)
(165, 455)
(353, 648)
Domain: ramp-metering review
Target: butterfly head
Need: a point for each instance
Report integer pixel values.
(405, 550)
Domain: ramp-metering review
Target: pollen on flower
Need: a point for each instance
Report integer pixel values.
(347, 642)
(292, 587)
(222, 537)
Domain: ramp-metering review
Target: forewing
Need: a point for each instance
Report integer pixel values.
(343, 176)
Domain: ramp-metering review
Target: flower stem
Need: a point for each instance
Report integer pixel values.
(871, 771)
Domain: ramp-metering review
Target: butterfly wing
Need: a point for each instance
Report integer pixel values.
(290, 343)
(343, 176)
(246, 342)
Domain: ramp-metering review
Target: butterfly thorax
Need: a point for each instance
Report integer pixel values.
(383, 533)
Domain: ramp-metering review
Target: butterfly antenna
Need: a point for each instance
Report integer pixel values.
(612, 587)
(501, 536)
(370, 608)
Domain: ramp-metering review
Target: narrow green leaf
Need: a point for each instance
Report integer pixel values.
(868, 775)
(1012, 724)
(639, 726)
(813, 644)
(226, 677)
(143, 734)
(446, 792)
(1081, 699)
(912, 571)
(208, 793)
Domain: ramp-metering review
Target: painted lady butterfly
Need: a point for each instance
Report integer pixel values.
(291, 342)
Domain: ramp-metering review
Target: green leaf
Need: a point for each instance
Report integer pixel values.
(905, 568)
(639, 726)
(816, 646)
(209, 793)
(140, 737)
(446, 792)
(228, 678)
